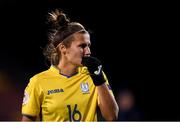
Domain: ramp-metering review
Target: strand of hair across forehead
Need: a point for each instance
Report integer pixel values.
(70, 36)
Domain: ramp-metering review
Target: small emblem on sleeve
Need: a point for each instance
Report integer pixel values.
(25, 98)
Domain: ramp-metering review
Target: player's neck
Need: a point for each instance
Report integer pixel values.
(67, 69)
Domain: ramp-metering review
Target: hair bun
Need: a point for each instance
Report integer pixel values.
(62, 20)
(58, 19)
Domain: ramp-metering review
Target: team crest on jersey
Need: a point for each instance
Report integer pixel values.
(85, 87)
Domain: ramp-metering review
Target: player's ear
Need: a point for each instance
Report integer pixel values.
(62, 48)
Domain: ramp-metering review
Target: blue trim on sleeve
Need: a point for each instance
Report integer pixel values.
(109, 87)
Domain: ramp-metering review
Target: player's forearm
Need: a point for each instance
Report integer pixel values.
(108, 105)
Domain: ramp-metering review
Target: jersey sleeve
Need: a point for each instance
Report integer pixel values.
(108, 85)
(33, 95)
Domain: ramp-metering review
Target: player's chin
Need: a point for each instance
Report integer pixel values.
(80, 64)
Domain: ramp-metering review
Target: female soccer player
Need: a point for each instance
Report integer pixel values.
(74, 86)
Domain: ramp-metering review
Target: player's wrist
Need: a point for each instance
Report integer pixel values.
(98, 79)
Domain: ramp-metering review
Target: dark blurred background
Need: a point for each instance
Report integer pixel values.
(137, 43)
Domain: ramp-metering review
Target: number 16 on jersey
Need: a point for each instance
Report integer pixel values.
(74, 114)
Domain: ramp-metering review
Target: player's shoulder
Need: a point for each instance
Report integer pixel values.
(41, 75)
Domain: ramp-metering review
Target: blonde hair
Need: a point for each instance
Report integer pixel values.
(61, 31)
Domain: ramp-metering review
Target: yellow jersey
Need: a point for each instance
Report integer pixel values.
(55, 97)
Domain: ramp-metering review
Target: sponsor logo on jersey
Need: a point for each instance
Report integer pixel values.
(85, 87)
(55, 91)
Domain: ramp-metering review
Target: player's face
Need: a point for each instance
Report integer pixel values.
(79, 48)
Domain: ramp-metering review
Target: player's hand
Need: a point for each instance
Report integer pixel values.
(95, 69)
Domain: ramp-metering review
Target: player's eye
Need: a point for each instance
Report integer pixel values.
(83, 45)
